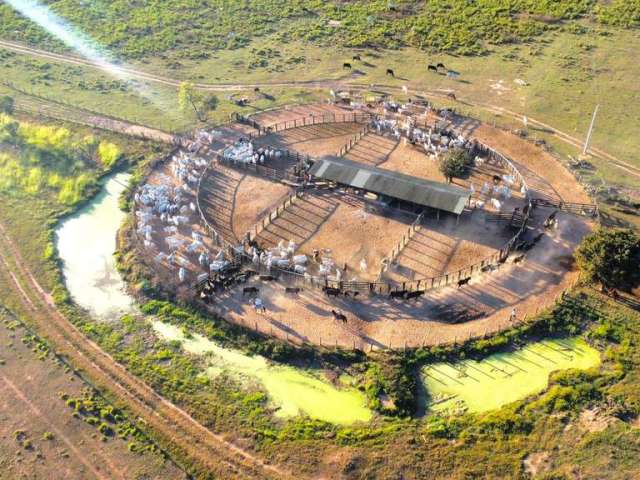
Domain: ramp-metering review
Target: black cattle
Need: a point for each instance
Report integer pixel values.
(294, 290)
(497, 179)
(415, 295)
(391, 72)
(250, 291)
(267, 278)
(346, 66)
(518, 259)
(331, 292)
(353, 294)
(463, 281)
(398, 294)
(432, 68)
(440, 65)
(338, 316)
(356, 57)
(489, 268)
(256, 89)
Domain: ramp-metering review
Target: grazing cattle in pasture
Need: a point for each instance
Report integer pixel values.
(432, 68)
(356, 58)
(294, 290)
(391, 72)
(339, 316)
(440, 65)
(331, 292)
(353, 294)
(346, 66)
(398, 294)
(415, 295)
(463, 281)
(250, 291)
(267, 278)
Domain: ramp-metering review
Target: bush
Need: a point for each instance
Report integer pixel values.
(6, 104)
(610, 257)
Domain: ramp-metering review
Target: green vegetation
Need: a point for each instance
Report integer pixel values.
(454, 163)
(610, 257)
(198, 28)
(42, 160)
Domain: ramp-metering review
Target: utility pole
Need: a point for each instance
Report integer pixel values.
(593, 120)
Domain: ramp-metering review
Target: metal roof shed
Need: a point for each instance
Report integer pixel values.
(415, 190)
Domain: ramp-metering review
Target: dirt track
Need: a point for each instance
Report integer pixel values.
(326, 84)
(207, 448)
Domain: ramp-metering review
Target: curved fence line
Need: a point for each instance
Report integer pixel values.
(429, 283)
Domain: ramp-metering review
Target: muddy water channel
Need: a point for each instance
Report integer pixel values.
(86, 242)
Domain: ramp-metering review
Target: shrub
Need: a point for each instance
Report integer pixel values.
(610, 257)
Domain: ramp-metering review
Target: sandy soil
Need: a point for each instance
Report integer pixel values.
(29, 401)
(255, 197)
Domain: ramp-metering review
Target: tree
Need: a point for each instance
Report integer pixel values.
(6, 104)
(611, 257)
(454, 163)
(189, 98)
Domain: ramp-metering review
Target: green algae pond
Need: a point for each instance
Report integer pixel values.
(502, 378)
(292, 391)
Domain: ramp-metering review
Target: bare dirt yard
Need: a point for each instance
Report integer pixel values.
(39, 437)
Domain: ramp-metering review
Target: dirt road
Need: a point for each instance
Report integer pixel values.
(320, 84)
(208, 449)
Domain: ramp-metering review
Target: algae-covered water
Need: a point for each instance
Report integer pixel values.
(292, 391)
(504, 377)
(86, 242)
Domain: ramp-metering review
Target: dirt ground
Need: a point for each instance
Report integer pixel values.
(349, 228)
(30, 402)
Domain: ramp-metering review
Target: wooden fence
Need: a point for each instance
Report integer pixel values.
(353, 141)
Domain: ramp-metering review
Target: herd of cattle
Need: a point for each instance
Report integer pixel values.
(438, 68)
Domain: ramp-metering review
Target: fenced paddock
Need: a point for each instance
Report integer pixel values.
(374, 320)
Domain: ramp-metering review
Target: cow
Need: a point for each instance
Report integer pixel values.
(441, 65)
(518, 259)
(338, 316)
(346, 66)
(398, 294)
(250, 291)
(353, 294)
(415, 295)
(293, 290)
(356, 58)
(331, 292)
(267, 278)
(256, 89)
(489, 268)
(463, 281)
(432, 68)
(390, 72)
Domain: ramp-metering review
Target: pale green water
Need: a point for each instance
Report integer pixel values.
(86, 242)
(504, 377)
(293, 391)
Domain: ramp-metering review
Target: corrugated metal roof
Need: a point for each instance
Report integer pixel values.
(392, 184)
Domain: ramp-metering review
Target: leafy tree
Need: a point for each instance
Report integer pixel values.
(6, 104)
(210, 102)
(611, 257)
(108, 153)
(189, 98)
(454, 163)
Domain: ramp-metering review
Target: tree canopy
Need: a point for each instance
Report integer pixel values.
(611, 257)
(454, 163)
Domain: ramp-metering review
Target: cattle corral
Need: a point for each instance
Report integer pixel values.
(249, 211)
